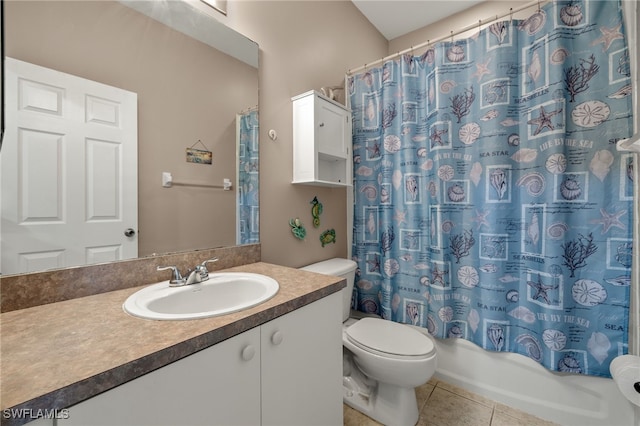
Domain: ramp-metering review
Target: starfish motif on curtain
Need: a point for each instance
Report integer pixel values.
(541, 289)
(373, 150)
(481, 218)
(482, 69)
(374, 264)
(544, 120)
(400, 216)
(438, 275)
(436, 137)
(608, 36)
(609, 220)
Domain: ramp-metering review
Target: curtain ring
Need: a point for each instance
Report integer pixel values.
(451, 36)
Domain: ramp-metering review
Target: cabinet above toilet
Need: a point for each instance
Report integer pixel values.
(321, 141)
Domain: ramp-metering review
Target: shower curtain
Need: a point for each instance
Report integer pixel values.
(490, 201)
(248, 178)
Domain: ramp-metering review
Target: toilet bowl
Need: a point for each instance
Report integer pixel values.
(383, 361)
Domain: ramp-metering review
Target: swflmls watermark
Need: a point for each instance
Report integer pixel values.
(33, 414)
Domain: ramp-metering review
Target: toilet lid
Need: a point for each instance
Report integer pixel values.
(389, 337)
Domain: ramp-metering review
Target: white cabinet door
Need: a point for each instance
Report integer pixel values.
(333, 129)
(219, 385)
(302, 366)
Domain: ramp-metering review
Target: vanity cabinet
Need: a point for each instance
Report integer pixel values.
(219, 385)
(302, 366)
(321, 141)
(286, 372)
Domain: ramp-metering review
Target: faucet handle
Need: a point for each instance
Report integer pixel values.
(176, 278)
(202, 268)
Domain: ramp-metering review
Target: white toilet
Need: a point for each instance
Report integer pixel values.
(384, 361)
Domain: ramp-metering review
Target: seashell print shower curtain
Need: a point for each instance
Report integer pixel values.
(491, 203)
(248, 178)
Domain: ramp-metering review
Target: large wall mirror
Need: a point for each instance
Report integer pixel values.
(195, 88)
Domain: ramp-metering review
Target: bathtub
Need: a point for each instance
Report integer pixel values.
(520, 382)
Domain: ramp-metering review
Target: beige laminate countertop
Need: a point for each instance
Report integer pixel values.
(56, 355)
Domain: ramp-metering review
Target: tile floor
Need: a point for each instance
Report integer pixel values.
(442, 404)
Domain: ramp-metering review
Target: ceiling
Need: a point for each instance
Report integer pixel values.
(394, 18)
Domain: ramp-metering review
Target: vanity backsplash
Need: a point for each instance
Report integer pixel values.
(28, 290)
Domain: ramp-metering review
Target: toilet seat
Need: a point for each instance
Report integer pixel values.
(389, 339)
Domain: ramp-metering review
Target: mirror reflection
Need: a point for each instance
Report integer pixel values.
(187, 94)
(248, 179)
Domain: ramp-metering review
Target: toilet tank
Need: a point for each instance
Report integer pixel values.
(344, 268)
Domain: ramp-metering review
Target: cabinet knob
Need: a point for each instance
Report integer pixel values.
(321, 124)
(277, 338)
(248, 352)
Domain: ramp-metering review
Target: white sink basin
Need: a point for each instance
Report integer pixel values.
(223, 293)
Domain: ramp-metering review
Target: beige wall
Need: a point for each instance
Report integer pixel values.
(304, 45)
(187, 91)
(485, 11)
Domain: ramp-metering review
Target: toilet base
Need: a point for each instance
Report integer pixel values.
(387, 404)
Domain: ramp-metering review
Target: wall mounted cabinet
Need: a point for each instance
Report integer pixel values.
(321, 141)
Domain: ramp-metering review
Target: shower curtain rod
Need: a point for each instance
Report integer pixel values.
(480, 23)
(250, 109)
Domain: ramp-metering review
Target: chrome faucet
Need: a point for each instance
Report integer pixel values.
(202, 270)
(194, 276)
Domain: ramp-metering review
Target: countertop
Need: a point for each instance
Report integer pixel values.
(56, 355)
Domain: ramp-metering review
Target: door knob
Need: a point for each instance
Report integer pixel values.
(248, 352)
(277, 337)
(129, 232)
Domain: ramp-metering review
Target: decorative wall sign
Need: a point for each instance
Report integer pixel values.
(199, 156)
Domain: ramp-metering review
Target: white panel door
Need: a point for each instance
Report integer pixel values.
(68, 171)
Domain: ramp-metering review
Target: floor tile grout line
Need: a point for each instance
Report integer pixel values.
(493, 413)
(492, 406)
